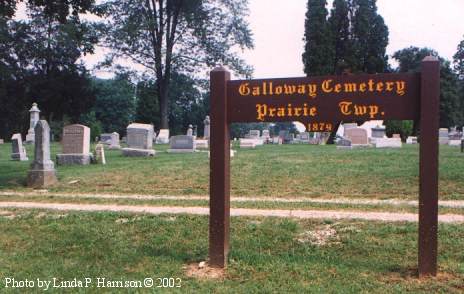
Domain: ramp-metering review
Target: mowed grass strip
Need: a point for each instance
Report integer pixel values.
(233, 204)
(271, 170)
(268, 255)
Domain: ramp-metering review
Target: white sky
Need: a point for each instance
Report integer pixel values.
(278, 29)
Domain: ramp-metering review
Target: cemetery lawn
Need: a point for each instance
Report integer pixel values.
(268, 255)
(268, 171)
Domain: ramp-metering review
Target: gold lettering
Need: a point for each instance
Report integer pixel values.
(270, 89)
(289, 90)
(244, 90)
(337, 88)
(400, 87)
(256, 91)
(278, 90)
(373, 110)
(313, 111)
(371, 85)
(305, 109)
(362, 87)
(312, 89)
(345, 107)
(281, 112)
(326, 86)
(272, 111)
(289, 110)
(379, 87)
(297, 111)
(261, 110)
(301, 89)
(350, 87)
(390, 86)
(264, 88)
(360, 110)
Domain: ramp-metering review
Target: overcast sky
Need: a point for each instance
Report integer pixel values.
(278, 28)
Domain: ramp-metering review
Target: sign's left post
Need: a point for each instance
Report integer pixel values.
(219, 179)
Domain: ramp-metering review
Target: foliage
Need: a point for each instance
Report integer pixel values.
(169, 36)
(318, 54)
(451, 108)
(115, 103)
(90, 119)
(283, 126)
(402, 127)
(239, 130)
(459, 60)
(188, 104)
(339, 22)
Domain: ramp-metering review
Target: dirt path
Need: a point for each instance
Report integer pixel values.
(339, 200)
(305, 214)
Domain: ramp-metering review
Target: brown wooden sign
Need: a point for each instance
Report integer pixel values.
(320, 103)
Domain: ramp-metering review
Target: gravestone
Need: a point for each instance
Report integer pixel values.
(397, 136)
(255, 134)
(76, 146)
(348, 126)
(2, 141)
(411, 140)
(190, 130)
(18, 152)
(163, 137)
(247, 143)
(202, 144)
(139, 140)
(207, 127)
(105, 138)
(100, 154)
(114, 141)
(34, 118)
(388, 143)
(378, 132)
(42, 173)
(182, 144)
(357, 136)
(454, 137)
(266, 136)
(305, 137)
(343, 143)
(443, 136)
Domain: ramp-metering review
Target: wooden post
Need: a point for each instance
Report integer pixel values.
(219, 189)
(428, 170)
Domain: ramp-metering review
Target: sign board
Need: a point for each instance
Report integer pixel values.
(321, 103)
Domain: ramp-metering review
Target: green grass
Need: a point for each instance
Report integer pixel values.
(265, 256)
(277, 171)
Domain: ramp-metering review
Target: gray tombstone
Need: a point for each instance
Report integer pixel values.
(18, 152)
(343, 143)
(255, 134)
(357, 136)
(2, 141)
(443, 136)
(139, 140)
(100, 154)
(34, 114)
(42, 173)
(114, 142)
(163, 137)
(305, 137)
(105, 138)
(378, 132)
(190, 130)
(182, 144)
(76, 146)
(207, 128)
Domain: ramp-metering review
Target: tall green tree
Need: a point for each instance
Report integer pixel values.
(167, 36)
(458, 60)
(318, 53)
(341, 38)
(370, 38)
(451, 112)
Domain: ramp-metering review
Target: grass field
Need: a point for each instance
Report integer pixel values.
(274, 171)
(268, 255)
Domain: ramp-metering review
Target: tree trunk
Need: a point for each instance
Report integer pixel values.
(164, 104)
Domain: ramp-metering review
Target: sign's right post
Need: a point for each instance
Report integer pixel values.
(428, 170)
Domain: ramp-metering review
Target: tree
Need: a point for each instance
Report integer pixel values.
(339, 23)
(188, 103)
(115, 103)
(459, 60)
(56, 9)
(370, 38)
(451, 112)
(176, 35)
(318, 54)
